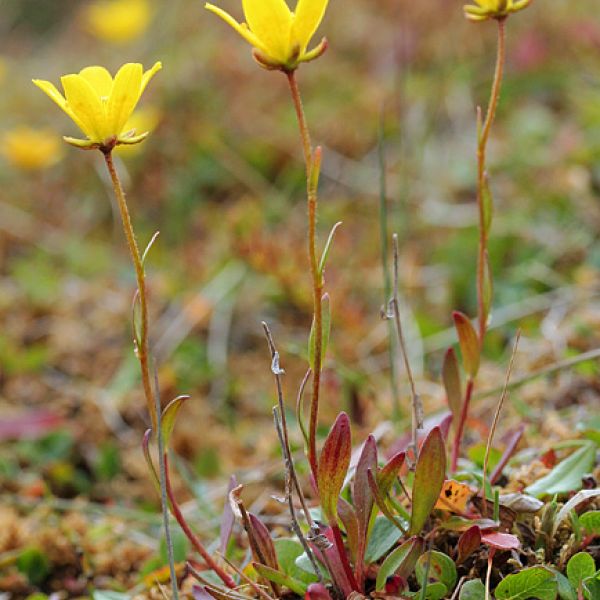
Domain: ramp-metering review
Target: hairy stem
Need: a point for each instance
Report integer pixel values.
(484, 135)
(141, 349)
(461, 423)
(317, 282)
(143, 355)
(191, 536)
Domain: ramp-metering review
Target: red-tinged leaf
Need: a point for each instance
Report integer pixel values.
(469, 343)
(501, 541)
(349, 520)
(511, 446)
(333, 465)
(227, 518)
(317, 591)
(389, 472)
(32, 424)
(394, 585)
(468, 543)
(548, 459)
(400, 562)
(265, 553)
(430, 474)
(361, 492)
(168, 417)
(379, 498)
(452, 384)
(336, 568)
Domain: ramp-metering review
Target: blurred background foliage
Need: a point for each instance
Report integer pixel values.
(221, 177)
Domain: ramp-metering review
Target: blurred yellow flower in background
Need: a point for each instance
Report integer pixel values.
(31, 149)
(3, 69)
(493, 9)
(279, 36)
(100, 105)
(118, 21)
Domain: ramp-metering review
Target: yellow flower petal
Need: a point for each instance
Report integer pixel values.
(31, 149)
(307, 18)
(86, 104)
(100, 79)
(117, 21)
(241, 28)
(271, 22)
(126, 91)
(50, 90)
(149, 74)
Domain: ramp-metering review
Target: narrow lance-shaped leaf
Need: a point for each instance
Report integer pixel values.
(327, 248)
(333, 465)
(361, 492)
(487, 205)
(488, 287)
(347, 516)
(400, 562)
(363, 500)
(264, 543)
(168, 418)
(389, 472)
(452, 384)
(430, 474)
(469, 343)
(279, 578)
(380, 498)
(326, 322)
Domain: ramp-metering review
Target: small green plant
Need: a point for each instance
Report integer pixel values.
(371, 526)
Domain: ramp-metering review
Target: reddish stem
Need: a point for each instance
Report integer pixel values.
(191, 536)
(341, 550)
(461, 424)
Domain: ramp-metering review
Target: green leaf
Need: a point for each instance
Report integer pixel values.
(168, 418)
(333, 466)
(180, 547)
(327, 248)
(430, 473)
(441, 568)
(488, 204)
(590, 521)
(452, 384)
(469, 343)
(362, 496)
(108, 595)
(400, 562)
(280, 578)
(580, 567)
(566, 476)
(536, 583)
(326, 328)
(565, 589)
(388, 474)
(591, 587)
(384, 535)
(288, 551)
(435, 591)
(34, 564)
(472, 590)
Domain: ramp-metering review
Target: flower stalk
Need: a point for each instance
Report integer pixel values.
(312, 160)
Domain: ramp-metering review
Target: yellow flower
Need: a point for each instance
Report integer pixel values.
(117, 21)
(493, 9)
(101, 106)
(31, 149)
(279, 36)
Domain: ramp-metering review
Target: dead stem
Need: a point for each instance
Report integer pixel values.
(496, 417)
(417, 406)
